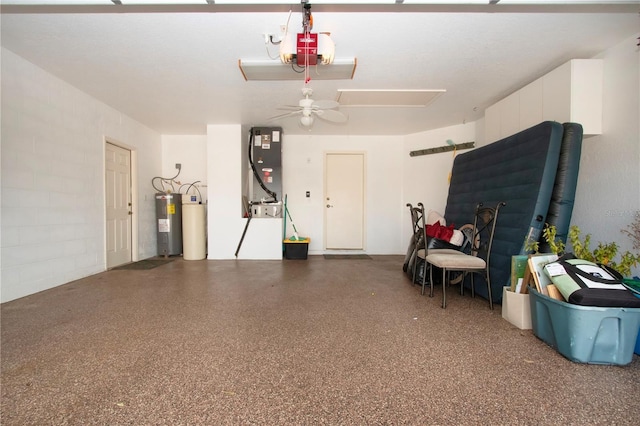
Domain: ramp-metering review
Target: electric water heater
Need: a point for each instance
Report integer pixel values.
(169, 223)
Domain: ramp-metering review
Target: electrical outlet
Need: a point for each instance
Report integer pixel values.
(178, 166)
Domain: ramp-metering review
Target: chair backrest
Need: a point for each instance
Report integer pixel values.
(484, 226)
(468, 238)
(417, 223)
(435, 243)
(421, 229)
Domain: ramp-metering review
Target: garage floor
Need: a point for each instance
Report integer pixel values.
(317, 341)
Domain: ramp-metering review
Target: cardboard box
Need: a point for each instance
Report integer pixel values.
(296, 249)
(516, 308)
(586, 334)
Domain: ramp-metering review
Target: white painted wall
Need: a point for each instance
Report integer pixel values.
(426, 177)
(608, 192)
(393, 179)
(53, 220)
(303, 165)
(190, 152)
(225, 221)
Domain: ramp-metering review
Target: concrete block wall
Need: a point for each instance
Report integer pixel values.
(52, 178)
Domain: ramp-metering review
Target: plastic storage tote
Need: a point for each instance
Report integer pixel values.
(585, 334)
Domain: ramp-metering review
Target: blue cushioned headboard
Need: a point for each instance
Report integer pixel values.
(519, 170)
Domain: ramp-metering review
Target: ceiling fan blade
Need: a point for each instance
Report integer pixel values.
(332, 115)
(289, 108)
(285, 115)
(325, 104)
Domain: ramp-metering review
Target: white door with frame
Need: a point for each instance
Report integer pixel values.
(118, 205)
(344, 200)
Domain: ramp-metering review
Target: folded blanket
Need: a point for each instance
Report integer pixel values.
(441, 232)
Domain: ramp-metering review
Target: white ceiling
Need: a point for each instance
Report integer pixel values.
(176, 69)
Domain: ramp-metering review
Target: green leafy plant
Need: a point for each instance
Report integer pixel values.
(549, 234)
(604, 253)
(633, 231)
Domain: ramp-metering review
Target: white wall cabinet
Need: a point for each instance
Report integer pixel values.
(531, 105)
(571, 92)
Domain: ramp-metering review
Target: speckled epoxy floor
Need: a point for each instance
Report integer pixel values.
(303, 342)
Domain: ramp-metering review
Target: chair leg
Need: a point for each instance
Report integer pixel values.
(413, 275)
(473, 286)
(444, 288)
(430, 281)
(489, 291)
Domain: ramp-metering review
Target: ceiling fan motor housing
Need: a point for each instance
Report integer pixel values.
(306, 103)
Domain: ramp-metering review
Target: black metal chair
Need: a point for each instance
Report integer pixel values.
(476, 261)
(423, 250)
(415, 242)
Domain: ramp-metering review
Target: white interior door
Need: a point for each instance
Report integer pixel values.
(344, 201)
(118, 204)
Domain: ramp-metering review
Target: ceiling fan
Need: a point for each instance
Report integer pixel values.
(308, 109)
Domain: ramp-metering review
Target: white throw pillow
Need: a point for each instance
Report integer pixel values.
(434, 217)
(457, 238)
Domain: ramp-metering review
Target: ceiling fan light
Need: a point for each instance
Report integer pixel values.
(306, 120)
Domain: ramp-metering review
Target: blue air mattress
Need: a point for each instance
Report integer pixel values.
(564, 188)
(519, 170)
